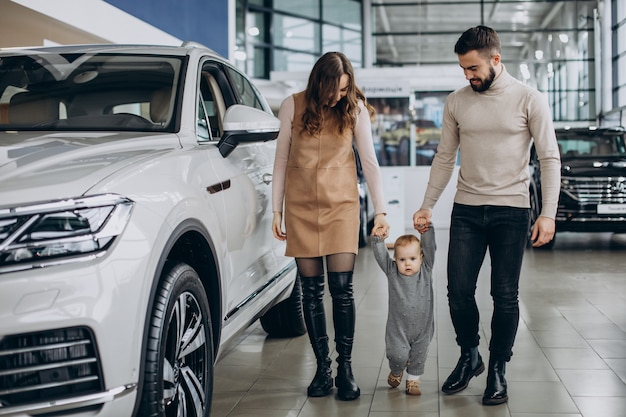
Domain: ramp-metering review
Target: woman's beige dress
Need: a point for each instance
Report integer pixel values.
(321, 195)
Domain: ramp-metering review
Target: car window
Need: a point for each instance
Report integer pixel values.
(591, 145)
(247, 93)
(202, 121)
(212, 105)
(88, 92)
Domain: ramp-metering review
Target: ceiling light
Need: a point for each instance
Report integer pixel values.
(564, 38)
(254, 31)
(539, 54)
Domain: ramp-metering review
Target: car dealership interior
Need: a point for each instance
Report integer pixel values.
(569, 356)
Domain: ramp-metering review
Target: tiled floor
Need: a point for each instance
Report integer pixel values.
(569, 357)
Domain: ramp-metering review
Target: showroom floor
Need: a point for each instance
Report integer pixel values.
(569, 358)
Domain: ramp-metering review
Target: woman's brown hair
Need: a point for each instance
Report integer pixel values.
(324, 84)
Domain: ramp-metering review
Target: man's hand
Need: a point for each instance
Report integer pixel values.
(421, 219)
(543, 231)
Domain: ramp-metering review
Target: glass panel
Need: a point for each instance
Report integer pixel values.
(293, 61)
(406, 125)
(202, 128)
(240, 15)
(257, 66)
(247, 93)
(343, 12)
(307, 8)
(347, 41)
(419, 45)
(88, 91)
(294, 33)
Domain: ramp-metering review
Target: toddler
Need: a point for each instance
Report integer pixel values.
(410, 321)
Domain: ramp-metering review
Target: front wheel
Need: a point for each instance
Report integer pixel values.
(178, 379)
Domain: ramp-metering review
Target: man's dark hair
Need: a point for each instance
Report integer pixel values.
(478, 38)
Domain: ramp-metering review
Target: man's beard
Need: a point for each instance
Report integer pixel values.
(486, 83)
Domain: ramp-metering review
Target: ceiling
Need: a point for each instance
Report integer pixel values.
(424, 32)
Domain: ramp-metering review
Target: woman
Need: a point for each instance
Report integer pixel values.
(315, 178)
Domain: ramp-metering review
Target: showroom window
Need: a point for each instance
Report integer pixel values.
(554, 53)
(301, 31)
(618, 30)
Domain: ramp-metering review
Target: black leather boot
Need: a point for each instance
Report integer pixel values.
(315, 319)
(470, 364)
(340, 285)
(495, 393)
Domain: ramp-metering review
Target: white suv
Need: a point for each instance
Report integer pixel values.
(135, 228)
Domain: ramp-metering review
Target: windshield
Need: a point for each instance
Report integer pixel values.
(102, 92)
(572, 145)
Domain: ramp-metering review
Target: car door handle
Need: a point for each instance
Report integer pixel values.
(267, 178)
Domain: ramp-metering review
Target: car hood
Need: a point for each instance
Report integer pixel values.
(42, 167)
(594, 167)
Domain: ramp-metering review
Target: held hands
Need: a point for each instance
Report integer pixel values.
(381, 227)
(421, 220)
(277, 226)
(543, 231)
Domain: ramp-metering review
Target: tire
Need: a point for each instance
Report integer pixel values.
(178, 379)
(286, 319)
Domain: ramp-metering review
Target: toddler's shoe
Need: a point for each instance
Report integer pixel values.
(394, 380)
(413, 388)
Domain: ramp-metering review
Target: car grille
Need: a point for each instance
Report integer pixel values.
(47, 366)
(596, 190)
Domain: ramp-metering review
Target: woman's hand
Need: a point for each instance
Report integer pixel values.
(277, 226)
(381, 227)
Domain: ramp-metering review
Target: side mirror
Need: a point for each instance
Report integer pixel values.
(246, 124)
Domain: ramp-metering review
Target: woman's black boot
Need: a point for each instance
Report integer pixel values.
(470, 364)
(340, 285)
(315, 319)
(495, 393)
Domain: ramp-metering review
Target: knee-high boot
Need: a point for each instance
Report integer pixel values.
(340, 285)
(315, 319)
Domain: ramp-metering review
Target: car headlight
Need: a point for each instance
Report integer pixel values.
(60, 231)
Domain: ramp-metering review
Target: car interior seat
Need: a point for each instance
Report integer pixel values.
(31, 109)
(603, 148)
(160, 105)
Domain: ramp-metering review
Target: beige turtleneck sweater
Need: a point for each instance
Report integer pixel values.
(493, 130)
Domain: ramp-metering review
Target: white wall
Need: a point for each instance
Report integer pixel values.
(415, 180)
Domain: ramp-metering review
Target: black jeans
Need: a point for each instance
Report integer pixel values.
(504, 231)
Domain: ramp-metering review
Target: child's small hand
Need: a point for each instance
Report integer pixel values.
(421, 219)
(421, 225)
(381, 227)
(379, 232)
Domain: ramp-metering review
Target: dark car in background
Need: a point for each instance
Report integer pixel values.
(593, 180)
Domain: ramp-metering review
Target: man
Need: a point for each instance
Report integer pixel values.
(492, 121)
